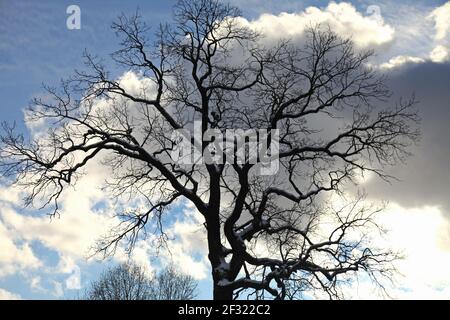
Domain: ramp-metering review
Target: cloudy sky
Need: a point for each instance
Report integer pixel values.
(43, 258)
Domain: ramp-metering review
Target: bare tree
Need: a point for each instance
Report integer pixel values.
(266, 234)
(122, 282)
(173, 285)
(129, 281)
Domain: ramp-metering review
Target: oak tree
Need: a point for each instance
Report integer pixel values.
(268, 235)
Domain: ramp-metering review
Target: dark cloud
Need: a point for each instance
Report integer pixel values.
(425, 178)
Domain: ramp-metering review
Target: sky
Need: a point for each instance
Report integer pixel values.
(48, 258)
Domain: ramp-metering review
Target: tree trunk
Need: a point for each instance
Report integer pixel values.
(222, 294)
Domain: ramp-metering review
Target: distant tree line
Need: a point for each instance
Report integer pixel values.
(130, 281)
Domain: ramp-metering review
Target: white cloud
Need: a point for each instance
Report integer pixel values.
(74, 232)
(441, 17)
(14, 255)
(58, 289)
(9, 194)
(73, 282)
(36, 127)
(440, 54)
(35, 283)
(422, 233)
(6, 295)
(137, 85)
(399, 61)
(68, 265)
(403, 34)
(343, 18)
(188, 238)
(141, 254)
(421, 236)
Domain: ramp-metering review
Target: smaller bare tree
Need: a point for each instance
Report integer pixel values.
(129, 281)
(173, 285)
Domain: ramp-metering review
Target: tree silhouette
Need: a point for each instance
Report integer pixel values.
(266, 233)
(129, 281)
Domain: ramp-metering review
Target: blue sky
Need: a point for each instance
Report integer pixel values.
(36, 47)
